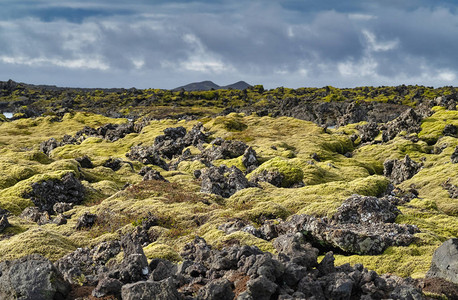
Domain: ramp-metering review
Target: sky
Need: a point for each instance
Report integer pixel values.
(169, 43)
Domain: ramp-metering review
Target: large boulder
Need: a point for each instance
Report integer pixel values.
(400, 170)
(45, 194)
(223, 181)
(162, 290)
(362, 225)
(444, 263)
(31, 278)
(147, 155)
(409, 121)
(368, 132)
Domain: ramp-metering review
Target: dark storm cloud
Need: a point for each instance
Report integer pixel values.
(277, 43)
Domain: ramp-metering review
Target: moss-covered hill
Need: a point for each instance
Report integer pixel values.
(333, 164)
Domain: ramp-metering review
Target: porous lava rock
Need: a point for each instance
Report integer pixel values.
(368, 132)
(409, 121)
(44, 194)
(400, 170)
(223, 181)
(147, 155)
(362, 225)
(86, 221)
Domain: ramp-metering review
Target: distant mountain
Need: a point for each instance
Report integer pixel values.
(240, 85)
(208, 85)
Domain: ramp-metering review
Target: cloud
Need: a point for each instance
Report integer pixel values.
(276, 43)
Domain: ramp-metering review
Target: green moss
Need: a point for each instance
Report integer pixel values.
(292, 174)
(190, 166)
(219, 239)
(49, 244)
(158, 250)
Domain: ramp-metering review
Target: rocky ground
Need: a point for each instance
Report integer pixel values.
(332, 200)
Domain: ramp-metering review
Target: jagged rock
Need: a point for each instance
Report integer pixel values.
(88, 263)
(408, 121)
(220, 289)
(291, 247)
(107, 286)
(354, 113)
(195, 136)
(444, 263)
(146, 155)
(261, 288)
(365, 209)
(62, 207)
(226, 150)
(249, 159)
(4, 223)
(400, 170)
(451, 189)
(59, 220)
(33, 214)
(45, 194)
(368, 132)
(273, 177)
(162, 290)
(454, 157)
(223, 181)
(161, 269)
(450, 130)
(87, 220)
(31, 277)
(47, 146)
(117, 132)
(359, 226)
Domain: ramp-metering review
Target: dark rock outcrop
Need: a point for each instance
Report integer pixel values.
(273, 177)
(223, 181)
(450, 130)
(85, 162)
(368, 132)
(86, 221)
(400, 170)
(409, 121)
(454, 157)
(147, 155)
(45, 194)
(444, 263)
(33, 214)
(362, 225)
(4, 222)
(451, 189)
(162, 290)
(31, 277)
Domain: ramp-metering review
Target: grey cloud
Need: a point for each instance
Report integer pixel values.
(278, 43)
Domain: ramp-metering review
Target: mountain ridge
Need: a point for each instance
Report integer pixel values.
(208, 85)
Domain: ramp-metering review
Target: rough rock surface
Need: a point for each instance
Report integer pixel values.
(33, 214)
(445, 261)
(163, 290)
(368, 132)
(362, 225)
(88, 264)
(45, 194)
(85, 162)
(409, 121)
(450, 130)
(87, 220)
(400, 170)
(31, 278)
(147, 155)
(451, 189)
(271, 176)
(151, 174)
(223, 181)
(454, 157)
